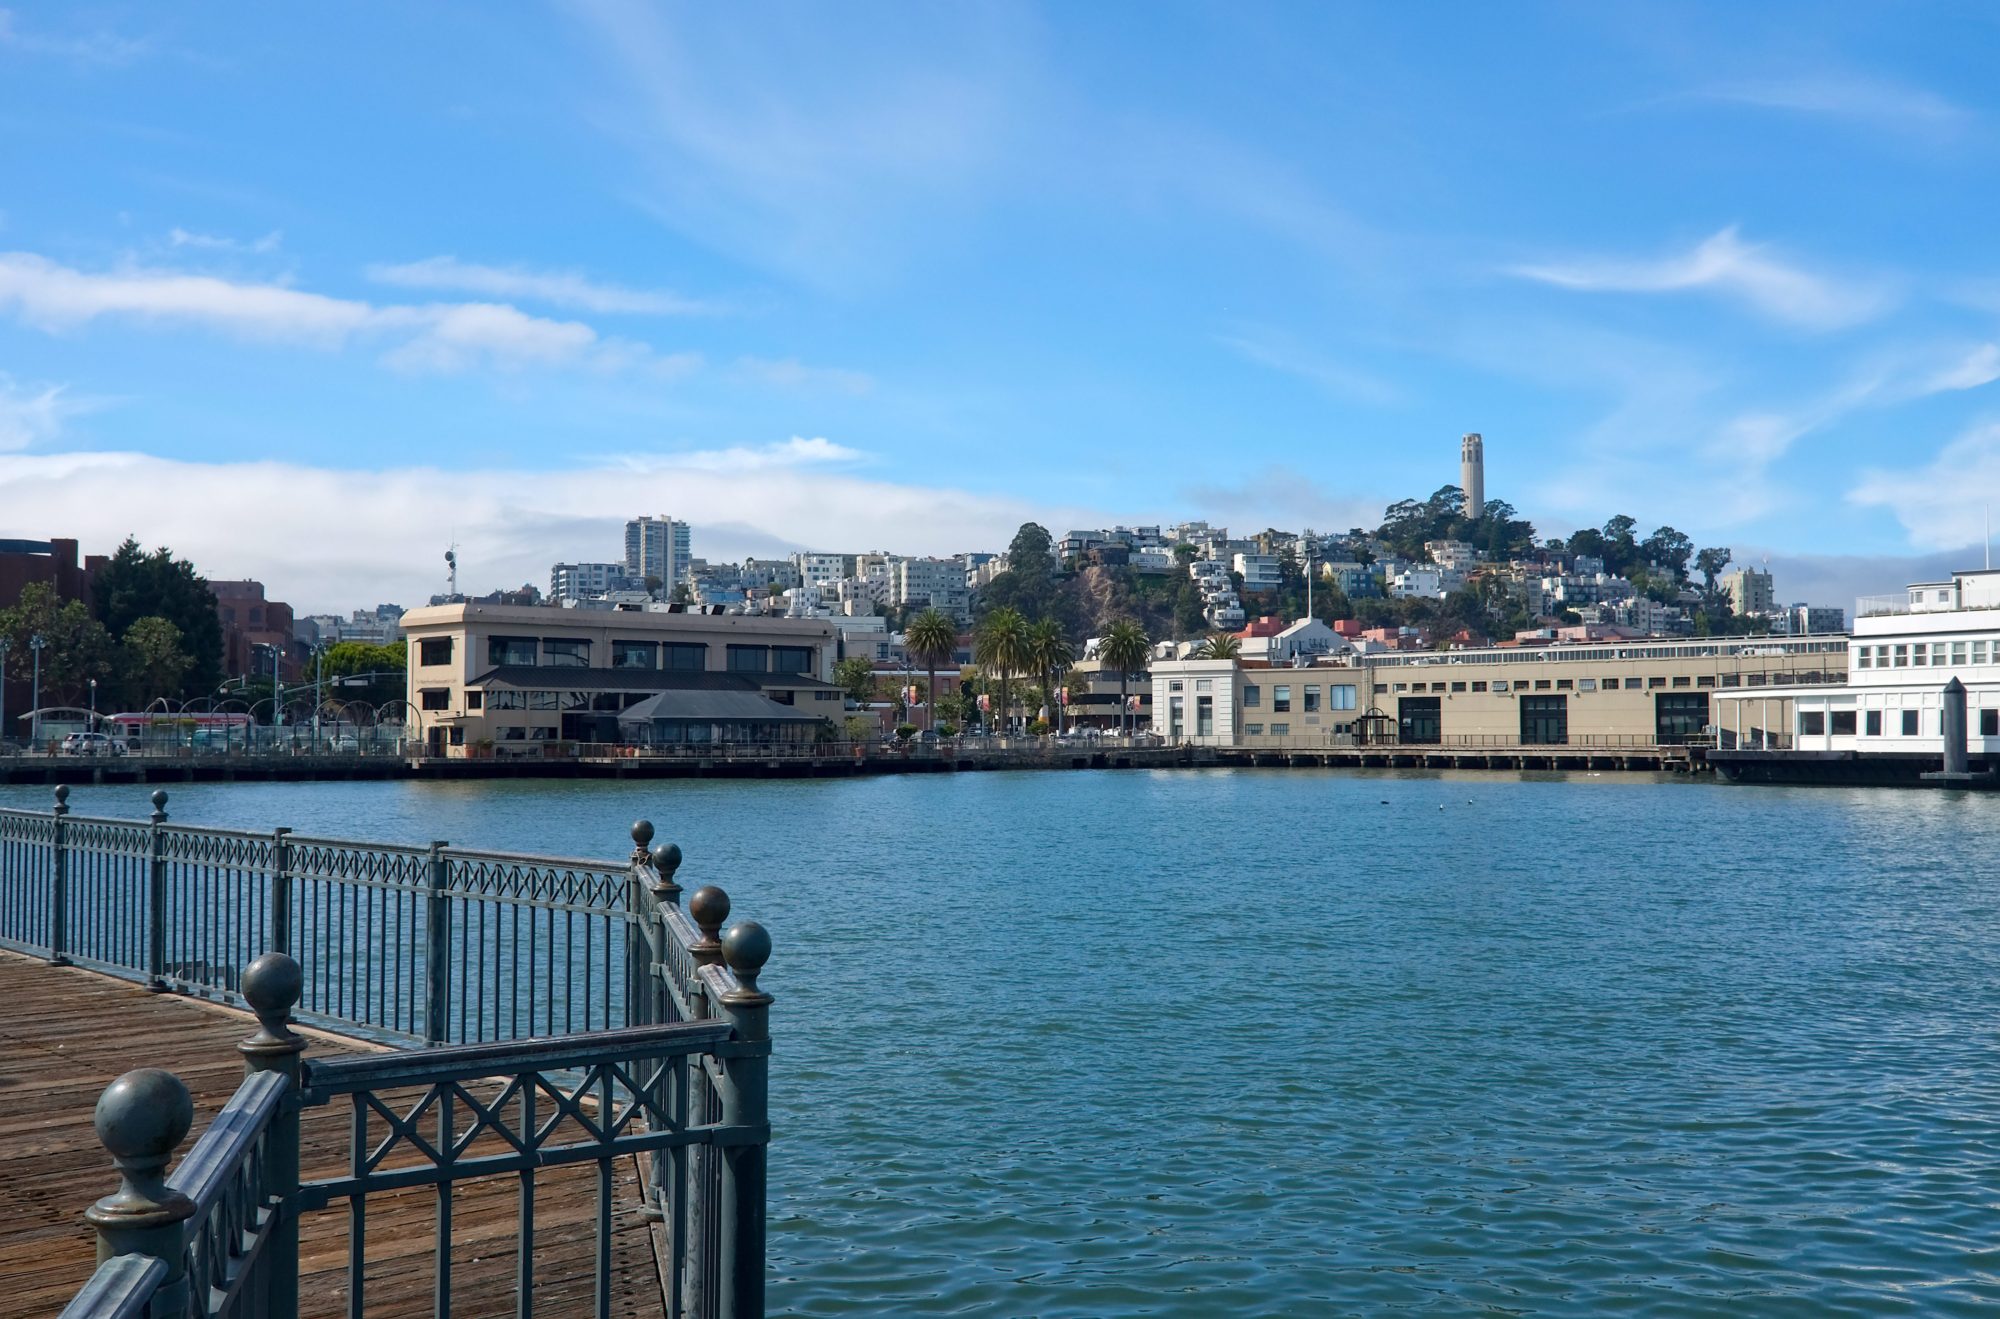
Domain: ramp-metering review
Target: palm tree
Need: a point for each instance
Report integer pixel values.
(1125, 648)
(1052, 654)
(931, 640)
(1002, 645)
(1218, 645)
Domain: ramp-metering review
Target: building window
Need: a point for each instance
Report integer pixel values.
(1499, 684)
(1281, 700)
(1989, 723)
(1909, 723)
(1541, 684)
(1173, 684)
(1872, 723)
(473, 700)
(1312, 698)
(434, 651)
(1545, 721)
(510, 650)
(1902, 656)
(1458, 686)
(1563, 684)
(791, 659)
(1812, 723)
(1843, 723)
(634, 655)
(1479, 686)
(1174, 715)
(1204, 716)
(1204, 684)
(435, 698)
(1683, 682)
(1634, 684)
(683, 655)
(1253, 730)
(1340, 696)
(457, 736)
(749, 659)
(566, 654)
(1918, 656)
(1979, 652)
(1655, 682)
(1705, 680)
(1251, 695)
(508, 700)
(1281, 730)
(1864, 657)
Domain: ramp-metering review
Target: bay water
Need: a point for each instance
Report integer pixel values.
(1260, 1042)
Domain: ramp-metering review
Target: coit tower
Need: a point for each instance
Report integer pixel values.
(1472, 473)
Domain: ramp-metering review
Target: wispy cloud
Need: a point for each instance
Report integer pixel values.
(1280, 354)
(1725, 265)
(430, 337)
(795, 452)
(1848, 96)
(101, 46)
(560, 288)
(31, 415)
(790, 373)
(223, 243)
(1942, 504)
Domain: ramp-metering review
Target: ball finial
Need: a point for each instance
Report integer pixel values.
(62, 799)
(143, 1116)
(709, 906)
(272, 984)
(159, 805)
(667, 859)
(745, 949)
(642, 833)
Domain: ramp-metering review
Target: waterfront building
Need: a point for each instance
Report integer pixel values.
(500, 677)
(1622, 693)
(1886, 716)
(659, 548)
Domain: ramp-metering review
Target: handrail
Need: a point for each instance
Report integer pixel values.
(122, 1288)
(328, 1077)
(204, 1174)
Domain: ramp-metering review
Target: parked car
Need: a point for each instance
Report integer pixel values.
(93, 744)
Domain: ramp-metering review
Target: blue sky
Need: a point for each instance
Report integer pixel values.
(309, 295)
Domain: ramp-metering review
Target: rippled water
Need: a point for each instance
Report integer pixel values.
(1286, 1042)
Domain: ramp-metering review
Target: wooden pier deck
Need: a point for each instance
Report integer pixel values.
(66, 1033)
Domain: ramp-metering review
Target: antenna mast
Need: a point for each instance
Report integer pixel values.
(451, 566)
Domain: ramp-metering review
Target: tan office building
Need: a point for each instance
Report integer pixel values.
(1628, 693)
(505, 677)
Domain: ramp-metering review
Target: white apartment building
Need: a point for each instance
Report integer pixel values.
(820, 571)
(584, 581)
(759, 574)
(1451, 553)
(1749, 591)
(1260, 572)
(1418, 583)
(930, 583)
(657, 547)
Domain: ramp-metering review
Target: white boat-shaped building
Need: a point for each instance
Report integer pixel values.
(1921, 702)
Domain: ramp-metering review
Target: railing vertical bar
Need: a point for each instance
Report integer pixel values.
(156, 896)
(59, 879)
(357, 1217)
(437, 1021)
(524, 1264)
(604, 1229)
(441, 1296)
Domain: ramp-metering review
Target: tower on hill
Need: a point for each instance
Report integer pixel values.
(1472, 473)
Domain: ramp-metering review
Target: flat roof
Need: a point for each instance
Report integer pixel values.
(544, 677)
(754, 707)
(547, 618)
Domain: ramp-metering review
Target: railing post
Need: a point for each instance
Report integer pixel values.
(141, 1118)
(745, 1089)
(670, 1080)
(638, 929)
(271, 986)
(437, 955)
(281, 890)
(59, 881)
(709, 906)
(156, 896)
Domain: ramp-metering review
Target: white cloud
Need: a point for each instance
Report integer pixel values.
(510, 524)
(1980, 366)
(562, 288)
(100, 47)
(33, 415)
(1873, 100)
(1943, 503)
(1279, 354)
(790, 373)
(1725, 265)
(429, 337)
(269, 243)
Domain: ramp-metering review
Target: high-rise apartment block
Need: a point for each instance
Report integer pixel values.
(1749, 591)
(657, 548)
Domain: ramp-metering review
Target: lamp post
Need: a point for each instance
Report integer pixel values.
(5, 645)
(93, 705)
(36, 643)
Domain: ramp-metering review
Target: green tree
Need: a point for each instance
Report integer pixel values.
(855, 676)
(1219, 645)
(1126, 649)
(1710, 563)
(75, 646)
(151, 662)
(1002, 647)
(1670, 549)
(1052, 654)
(135, 585)
(358, 671)
(1032, 551)
(931, 640)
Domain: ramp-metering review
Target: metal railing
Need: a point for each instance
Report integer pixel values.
(654, 1010)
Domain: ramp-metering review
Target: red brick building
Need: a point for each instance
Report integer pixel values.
(249, 621)
(55, 562)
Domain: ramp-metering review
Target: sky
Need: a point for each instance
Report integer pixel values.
(310, 294)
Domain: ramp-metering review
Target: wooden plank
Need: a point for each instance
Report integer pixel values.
(65, 1034)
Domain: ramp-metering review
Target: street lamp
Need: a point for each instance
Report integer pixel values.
(36, 643)
(93, 705)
